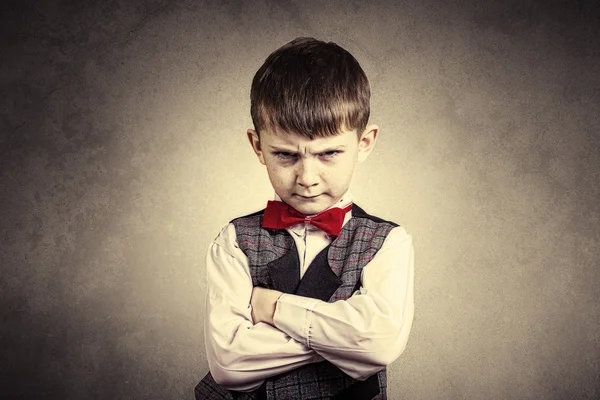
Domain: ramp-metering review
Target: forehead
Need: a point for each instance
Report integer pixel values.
(279, 138)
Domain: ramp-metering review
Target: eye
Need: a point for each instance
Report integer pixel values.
(284, 155)
(330, 154)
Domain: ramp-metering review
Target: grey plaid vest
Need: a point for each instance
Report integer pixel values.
(333, 275)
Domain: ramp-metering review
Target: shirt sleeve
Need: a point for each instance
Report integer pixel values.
(240, 354)
(368, 331)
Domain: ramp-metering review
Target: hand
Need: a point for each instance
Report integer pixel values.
(263, 302)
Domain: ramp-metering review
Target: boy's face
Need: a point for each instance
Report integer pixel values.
(311, 175)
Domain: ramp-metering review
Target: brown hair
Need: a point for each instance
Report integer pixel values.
(311, 88)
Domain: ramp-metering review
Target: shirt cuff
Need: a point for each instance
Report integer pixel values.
(293, 316)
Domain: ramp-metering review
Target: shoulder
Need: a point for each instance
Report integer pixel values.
(229, 232)
(249, 225)
(226, 239)
(398, 236)
(249, 221)
(240, 234)
(391, 233)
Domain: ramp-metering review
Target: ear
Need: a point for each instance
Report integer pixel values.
(255, 143)
(366, 143)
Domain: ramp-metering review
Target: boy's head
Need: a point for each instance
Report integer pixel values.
(310, 88)
(310, 108)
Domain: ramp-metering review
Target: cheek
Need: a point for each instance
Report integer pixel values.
(345, 168)
(342, 174)
(278, 176)
(335, 175)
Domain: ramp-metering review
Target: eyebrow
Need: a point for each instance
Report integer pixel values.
(282, 149)
(294, 151)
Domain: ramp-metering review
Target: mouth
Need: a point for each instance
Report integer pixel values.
(307, 197)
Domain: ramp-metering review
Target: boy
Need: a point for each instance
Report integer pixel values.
(310, 298)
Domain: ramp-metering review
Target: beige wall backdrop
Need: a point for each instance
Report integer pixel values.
(123, 153)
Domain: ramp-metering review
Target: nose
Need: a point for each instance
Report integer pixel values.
(307, 174)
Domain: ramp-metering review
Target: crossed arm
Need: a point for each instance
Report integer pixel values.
(254, 333)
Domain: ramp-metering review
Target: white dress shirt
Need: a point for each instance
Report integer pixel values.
(360, 335)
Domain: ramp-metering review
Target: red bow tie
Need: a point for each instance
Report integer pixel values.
(279, 215)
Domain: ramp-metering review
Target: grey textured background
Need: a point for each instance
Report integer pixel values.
(123, 152)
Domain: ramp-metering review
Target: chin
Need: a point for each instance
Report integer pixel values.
(309, 207)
